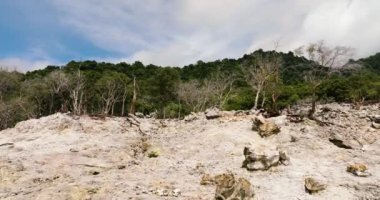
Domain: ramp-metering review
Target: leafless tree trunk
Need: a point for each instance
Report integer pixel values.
(258, 74)
(326, 57)
(76, 93)
(132, 110)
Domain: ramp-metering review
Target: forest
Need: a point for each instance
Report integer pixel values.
(267, 80)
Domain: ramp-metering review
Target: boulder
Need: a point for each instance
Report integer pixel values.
(139, 115)
(263, 160)
(375, 125)
(375, 118)
(191, 117)
(264, 127)
(212, 113)
(358, 170)
(312, 185)
(344, 142)
(230, 188)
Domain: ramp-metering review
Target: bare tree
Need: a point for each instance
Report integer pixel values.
(58, 83)
(259, 73)
(212, 92)
(326, 59)
(319, 52)
(77, 93)
(219, 87)
(132, 109)
(124, 80)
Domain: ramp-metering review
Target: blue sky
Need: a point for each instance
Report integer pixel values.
(35, 33)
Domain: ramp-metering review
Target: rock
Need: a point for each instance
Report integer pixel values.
(264, 127)
(139, 115)
(229, 188)
(212, 113)
(375, 125)
(312, 186)
(176, 192)
(191, 117)
(358, 170)
(207, 179)
(342, 142)
(263, 160)
(375, 118)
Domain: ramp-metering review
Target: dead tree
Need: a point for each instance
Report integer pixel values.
(260, 72)
(77, 92)
(326, 58)
(132, 109)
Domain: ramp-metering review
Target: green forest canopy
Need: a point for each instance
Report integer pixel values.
(94, 88)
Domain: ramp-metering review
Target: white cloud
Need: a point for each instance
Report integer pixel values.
(24, 65)
(182, 32)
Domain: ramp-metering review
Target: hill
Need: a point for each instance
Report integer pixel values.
(69, 157)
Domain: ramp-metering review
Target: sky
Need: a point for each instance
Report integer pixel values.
(37, 33)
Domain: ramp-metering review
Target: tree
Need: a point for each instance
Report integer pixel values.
(260, 72)
(211, 92)
(109, 89)
(76, 91)
(132, 109)
(325, 60)
(58, 84)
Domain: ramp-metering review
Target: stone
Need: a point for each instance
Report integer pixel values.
(344, 142)
(313, 186)
(191, 117)
(263, 160)
(264, 127)
(230, 188)
(375, 125)
(376, 118)
(176, 192)
(207, 179)
(139, 115)
(358, 170)
(212, 113)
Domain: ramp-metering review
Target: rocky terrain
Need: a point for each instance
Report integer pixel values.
(70, 157)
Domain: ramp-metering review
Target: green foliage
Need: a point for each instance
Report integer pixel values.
(46, 91)
(241, 99)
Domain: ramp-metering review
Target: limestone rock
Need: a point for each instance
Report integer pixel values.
(358, 170)
(312, 186)
(212, 113)
(264, 127)
(191, 117)
(375, 125)
(344, 142)
(230, 188)
(263, 160)
(375, 118)
(207, 179)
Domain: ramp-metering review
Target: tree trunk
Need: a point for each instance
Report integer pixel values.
(263, 101)
(257, 98)
(133, 104)
(312, 110)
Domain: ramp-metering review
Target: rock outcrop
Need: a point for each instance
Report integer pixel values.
(230, 188)
(313, 186)
(264, 127)
(212, 113)
(263, 160)
(358, 170)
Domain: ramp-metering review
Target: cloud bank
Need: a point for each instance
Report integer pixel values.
(176, 33)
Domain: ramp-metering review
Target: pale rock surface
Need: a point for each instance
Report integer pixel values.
(65, 157)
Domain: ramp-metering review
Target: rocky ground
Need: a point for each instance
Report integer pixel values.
(68, 157)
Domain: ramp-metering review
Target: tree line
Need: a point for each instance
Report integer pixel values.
(263, 79)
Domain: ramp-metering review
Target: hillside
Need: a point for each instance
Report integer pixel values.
(98, 88)
(68, 157)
